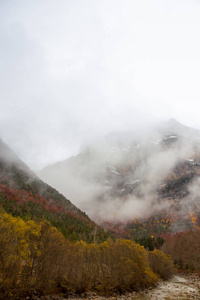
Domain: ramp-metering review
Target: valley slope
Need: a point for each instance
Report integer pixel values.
(23, 194)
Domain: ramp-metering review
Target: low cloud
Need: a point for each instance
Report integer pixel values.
(118, 179)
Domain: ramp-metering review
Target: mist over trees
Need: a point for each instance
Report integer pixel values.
(85, 87)
(50, 246)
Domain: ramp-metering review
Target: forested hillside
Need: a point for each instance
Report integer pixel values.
(23, 194)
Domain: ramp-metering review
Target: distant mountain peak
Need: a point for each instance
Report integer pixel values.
(173, 121)
(172, 126)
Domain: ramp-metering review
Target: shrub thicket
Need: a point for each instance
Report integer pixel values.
(161, 264)
(36, 257)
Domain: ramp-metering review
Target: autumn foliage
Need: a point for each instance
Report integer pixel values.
(161, 264)
(35, 256)
(47, 245)
(72, 224)
(184, 248)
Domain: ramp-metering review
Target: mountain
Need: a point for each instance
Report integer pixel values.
(38, 262)
(135, 175)
(23, 194)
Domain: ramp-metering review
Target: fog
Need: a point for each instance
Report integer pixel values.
(73, 71)
(191, 204)
(94, 79)
(119, 177)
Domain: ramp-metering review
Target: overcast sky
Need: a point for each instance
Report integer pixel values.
(74, 69)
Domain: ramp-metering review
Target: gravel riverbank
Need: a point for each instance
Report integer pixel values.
(179, 287)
